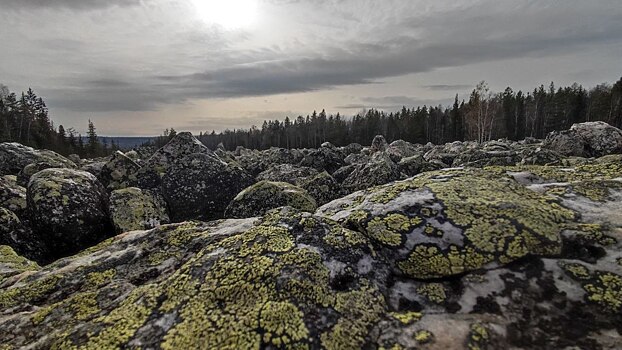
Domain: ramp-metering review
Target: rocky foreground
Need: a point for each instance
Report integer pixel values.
(401, 246)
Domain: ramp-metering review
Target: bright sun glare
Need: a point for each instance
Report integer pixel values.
(230, 14)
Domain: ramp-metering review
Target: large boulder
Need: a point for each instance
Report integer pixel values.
(200, 186)
(600, 138)
(20, 237)
(323, 159)
(181, 146)
(322, 187)
(380, 170)
(135, 209)
(592, 139)
(302, 280)
(286, 173)
(12, 195)
(119, 172)
(400, 149)
(566, 143)
(255, 162)
(378, 144)
(29, 170)
(14, 157)
(257, 199)
(415, 165)
(12, 264)
(445, 223)
(68, 209)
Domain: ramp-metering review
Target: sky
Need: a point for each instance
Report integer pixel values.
(136, 67)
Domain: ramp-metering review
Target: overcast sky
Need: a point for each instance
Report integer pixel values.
(136, 67)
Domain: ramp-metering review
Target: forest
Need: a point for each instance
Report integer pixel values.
(486, 115)
(25, 119)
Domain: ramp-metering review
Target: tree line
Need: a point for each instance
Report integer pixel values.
(25, 119)
(486, 115)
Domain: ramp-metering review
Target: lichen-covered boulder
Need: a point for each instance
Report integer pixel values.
(445, 223)
(400, 149)
(286, 173)
(12, 264)
(411, 166)
(351, 149)
(94, 167)
(357, 158)
(566, 143)
(17, 235)
(445, 154)
(600, 138)
(323, 159)
(14, 157)
(29, 170)
(479, 158)
(378, 144)
(135, 209)
(68, 209)
(322, 187)
(540, 156)
(255, 162)
(380, 170)
(257, 199)
(200, 186)
(341, 174)
(181, 146)
(12, 195)
(119, 172)
(297, 280)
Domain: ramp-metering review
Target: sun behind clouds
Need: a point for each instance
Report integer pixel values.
(230, 14)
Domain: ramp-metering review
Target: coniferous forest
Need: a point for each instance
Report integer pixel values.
(25, 119)
(485, 115)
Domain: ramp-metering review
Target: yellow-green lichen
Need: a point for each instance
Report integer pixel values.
(407, 318)
(28, 293)
(13, 263)
(575, 270)
(606, 290)
(478, 337)
(424, 336)
(96, 279)
(434, 292)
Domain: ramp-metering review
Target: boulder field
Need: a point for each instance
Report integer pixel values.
(504, 245)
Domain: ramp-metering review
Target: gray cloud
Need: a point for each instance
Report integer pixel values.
(69, 4)
(448, 87)
(143, 58)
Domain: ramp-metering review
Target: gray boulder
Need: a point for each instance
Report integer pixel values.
(200, 186)
(119, 172)
(12, 195)
(181, 146)
(14, 157)
(380, 170)
(286, 173)
(68, 209)
(263, 196)
(17, 235)
(379, 144)
(600, 138)
(135, 209)
(567, 143)
(322, 187)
